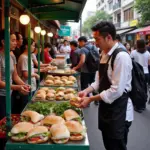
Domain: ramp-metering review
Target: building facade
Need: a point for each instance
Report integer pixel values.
(123, 12)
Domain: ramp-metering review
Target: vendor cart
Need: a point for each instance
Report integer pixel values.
(41, 10)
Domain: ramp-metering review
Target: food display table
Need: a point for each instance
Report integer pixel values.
(83, 145)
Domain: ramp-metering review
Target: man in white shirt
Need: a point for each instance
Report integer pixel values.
(115, 113)
(65, 49)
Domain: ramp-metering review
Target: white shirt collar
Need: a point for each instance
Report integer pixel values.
(112, 49)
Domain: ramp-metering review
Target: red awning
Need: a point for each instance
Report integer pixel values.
(145, 31)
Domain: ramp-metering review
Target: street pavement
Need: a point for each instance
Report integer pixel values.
(139, 135)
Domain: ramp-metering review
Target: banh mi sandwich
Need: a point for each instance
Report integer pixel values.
(52, 119)
(38, 134)
(72, 78)
(49, 82)
(75, 101)
(64, 77)
(64, 80)
(32, 116)
(70, 90)
(50, 96)
(40, 96)
(54, 68)
(51, 91)
(49, 77)
(59, 96)
(77, 131)
(40, 91)
(46, 89)
(58, 82)
(19, 131)
(60, 89)
(69, 83)
(59, 133)
(56, 78)
(69, 96)
(72, 115)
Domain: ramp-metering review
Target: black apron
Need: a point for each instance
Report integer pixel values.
(111, 117)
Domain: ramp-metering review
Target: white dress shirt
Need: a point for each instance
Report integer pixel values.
(120, 78)
(66, 50)
(142, 59)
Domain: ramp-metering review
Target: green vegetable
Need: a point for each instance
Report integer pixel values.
(78, 119)
(19, 135)
(44, 108)
(61, 107)
(47, 108)
(43, 134)
(25, 118)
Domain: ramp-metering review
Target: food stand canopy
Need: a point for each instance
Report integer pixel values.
(65, 10)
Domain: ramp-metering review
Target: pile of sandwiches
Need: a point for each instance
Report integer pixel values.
(60, 81)
(52, 68)
(36, 128)
(59, 94)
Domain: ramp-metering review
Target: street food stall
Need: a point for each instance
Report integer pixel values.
(51, 100)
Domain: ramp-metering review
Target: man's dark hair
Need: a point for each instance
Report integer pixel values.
(118, 37)
(105, 28)
(17, 35)
(74, 43)
(141, 47)
(47, 45)
(65, 41)
(82, 38)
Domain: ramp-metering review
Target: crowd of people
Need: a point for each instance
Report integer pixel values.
(106, 85)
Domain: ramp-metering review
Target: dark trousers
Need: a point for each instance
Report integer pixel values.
(86, 79)
(117, 144)
(68, 61)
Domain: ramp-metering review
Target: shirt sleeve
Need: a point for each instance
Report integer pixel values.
(95, 85)
(68, 49)
(120, 76)
(83, 51)
(62, 49)
(13, 58)
(131, 55)
(24, 64)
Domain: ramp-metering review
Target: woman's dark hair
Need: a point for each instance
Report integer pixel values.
(25, 43)
(126, 45)
(17, 35)
(2, 36)
(52, 53)
(141, 47)
(47, 45)
(74, 43)
(105, 28)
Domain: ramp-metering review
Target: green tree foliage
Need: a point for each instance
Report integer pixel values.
(143, 8)
(98, 16)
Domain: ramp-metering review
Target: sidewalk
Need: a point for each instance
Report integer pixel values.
(139, 136)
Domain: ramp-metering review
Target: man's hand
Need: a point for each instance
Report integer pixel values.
(44, 70)
(74, 68)
(82, 94)
(85, 102)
